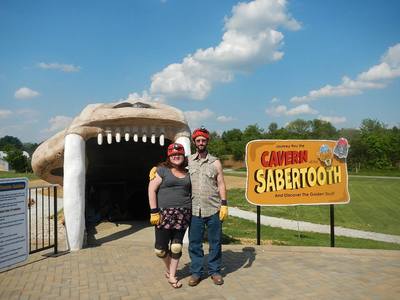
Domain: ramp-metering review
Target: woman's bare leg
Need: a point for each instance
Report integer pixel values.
(173, 266)
(167, 262)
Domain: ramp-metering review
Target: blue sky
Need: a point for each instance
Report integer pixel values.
(226, 64)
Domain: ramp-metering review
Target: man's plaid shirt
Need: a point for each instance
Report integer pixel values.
(205, 196)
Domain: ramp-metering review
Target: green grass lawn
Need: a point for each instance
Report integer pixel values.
(237, 231)
(12, 174)
(374, 206)
(393, 173)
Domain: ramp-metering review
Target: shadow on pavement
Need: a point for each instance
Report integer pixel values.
(93, 241)
(231, 262)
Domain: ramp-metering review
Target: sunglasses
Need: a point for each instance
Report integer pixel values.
(177, 147)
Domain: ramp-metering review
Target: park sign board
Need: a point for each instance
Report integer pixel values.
(297, 172)
(13, 221)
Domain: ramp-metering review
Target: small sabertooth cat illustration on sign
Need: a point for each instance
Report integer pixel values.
(325, 155)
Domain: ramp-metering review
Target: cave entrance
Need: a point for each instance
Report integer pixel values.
(117, 177)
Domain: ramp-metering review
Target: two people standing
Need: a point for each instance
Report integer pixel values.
(207, 209)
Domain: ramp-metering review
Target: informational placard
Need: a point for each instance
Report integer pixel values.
(13, 221)
(297, 172)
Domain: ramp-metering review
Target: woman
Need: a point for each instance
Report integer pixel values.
(170, 208)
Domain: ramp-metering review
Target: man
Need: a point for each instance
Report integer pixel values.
(209, 209)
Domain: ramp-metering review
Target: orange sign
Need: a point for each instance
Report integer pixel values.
(297, 172)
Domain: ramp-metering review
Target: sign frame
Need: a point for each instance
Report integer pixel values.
(292, 204)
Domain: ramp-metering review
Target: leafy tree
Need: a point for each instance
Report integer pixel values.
(322, 130)
(375, 141)
(370, 126)
(252, 132)
(216, 145)
(299, 128)
(272, 128)
(357, 153)
(7, 141)
(238, 150)
(30, 147)
(232, 135)
(18, 161)
(394, 150)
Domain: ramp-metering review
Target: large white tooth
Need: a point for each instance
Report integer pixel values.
(143, 131)
(99, 139)
(118, 137)
(153, 131)
(127, 134)
(74, 192)
(109, 138)
(162, 139)
(135, 134)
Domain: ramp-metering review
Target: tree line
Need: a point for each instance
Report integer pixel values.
(14, 148)
(372, 146)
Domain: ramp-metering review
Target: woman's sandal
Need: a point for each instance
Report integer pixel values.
(176, 284)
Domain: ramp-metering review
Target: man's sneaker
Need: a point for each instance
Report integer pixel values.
(194, 280)
(217, 279)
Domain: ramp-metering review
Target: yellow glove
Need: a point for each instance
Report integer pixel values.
(223, 213)
(152, 173)
(155, 218)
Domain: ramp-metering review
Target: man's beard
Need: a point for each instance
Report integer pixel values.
(202, 149)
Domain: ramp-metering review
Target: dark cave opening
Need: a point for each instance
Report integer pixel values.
(117, 177)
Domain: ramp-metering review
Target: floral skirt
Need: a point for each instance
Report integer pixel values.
(175, 218)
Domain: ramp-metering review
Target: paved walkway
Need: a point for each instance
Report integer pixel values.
(307, 226)
(120, 264)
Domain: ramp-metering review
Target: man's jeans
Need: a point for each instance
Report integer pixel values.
(196, 234)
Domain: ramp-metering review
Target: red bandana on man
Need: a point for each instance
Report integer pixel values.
(200, 132)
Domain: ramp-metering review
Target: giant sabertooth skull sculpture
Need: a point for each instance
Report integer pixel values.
(107, 146)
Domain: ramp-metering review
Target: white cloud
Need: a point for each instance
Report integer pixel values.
(333, 119)
(4, 113)
(274, 100)
(301, 110)
(58, 123)
(377, 77)
(144, 97)
(282, 110)
(250, 39)
(57, 66)
(25, 93)
(257, 15)
(225, 119)
(195, 117)
(276, 110)
(388, 68)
